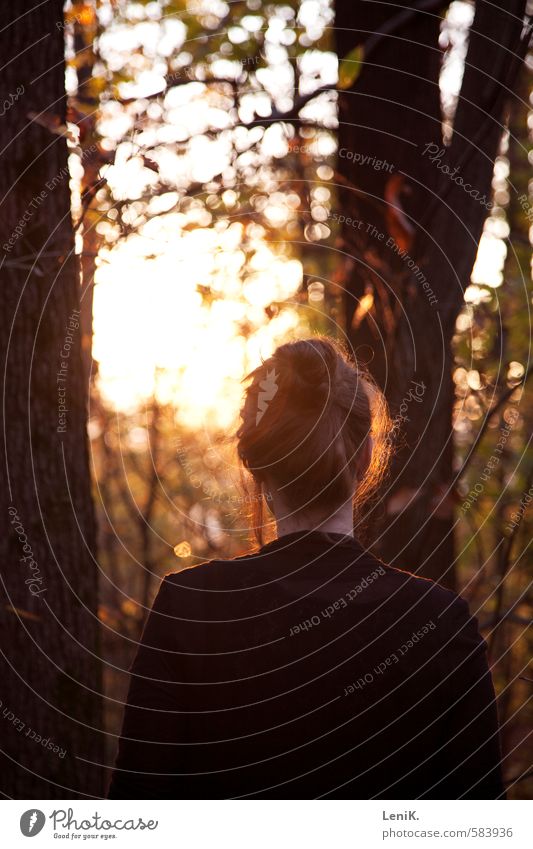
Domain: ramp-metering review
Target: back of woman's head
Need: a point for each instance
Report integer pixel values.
(315, 426)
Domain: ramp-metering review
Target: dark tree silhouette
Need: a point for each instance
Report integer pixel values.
(422, 202)
(50, 670)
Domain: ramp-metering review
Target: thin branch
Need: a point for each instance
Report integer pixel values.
(507, 616)
(490, 414)
(505, 559)
(87, 198)
(481, 557)
(400, 20)
(174, 83)
(391, 26)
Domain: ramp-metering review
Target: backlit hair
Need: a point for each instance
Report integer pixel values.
(308, 412)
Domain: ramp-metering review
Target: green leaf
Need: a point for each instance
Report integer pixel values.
(350, 67)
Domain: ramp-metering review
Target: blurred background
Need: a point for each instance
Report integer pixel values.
(242, 173)
(209, 239)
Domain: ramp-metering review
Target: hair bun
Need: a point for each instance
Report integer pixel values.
(310, 366)
(319, 408)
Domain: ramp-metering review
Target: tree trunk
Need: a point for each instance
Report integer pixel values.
(84, 105)
(413, 251)
(50, 721)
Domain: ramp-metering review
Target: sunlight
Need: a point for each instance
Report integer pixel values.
(154, 332)
(490, 260)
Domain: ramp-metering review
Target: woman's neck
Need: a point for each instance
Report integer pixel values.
(339, 522)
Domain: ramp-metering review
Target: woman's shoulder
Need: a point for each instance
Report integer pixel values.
(446, 603)
(419, 586)
(226, 576)
(209, 574)
(220, 590)
(456, 627)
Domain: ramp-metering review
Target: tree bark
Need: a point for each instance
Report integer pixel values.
(85, 107)
(413, 253)
(50, 720)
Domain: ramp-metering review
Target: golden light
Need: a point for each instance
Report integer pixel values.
(182, 549)
(315, 292)
(490, 260)
(151, 319)
(84, 15)
(365, 304)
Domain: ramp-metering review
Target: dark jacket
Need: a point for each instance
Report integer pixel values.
(309, 669)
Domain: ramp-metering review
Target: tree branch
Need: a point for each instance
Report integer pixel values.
(391, 26)
(490, 414)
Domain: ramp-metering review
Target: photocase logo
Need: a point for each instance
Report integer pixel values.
(268, 387)
(31, 822)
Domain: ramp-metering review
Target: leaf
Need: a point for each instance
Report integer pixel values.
(399, 226)
(23, 614)
(149, 163)
(350, 67)
(81, 13)
(365, 305)
(52, 122)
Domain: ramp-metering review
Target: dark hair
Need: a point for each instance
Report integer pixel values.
(308, 412)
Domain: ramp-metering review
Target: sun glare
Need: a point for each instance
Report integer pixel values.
(154, 332)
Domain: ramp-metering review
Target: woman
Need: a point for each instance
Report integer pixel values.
(309, 668)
